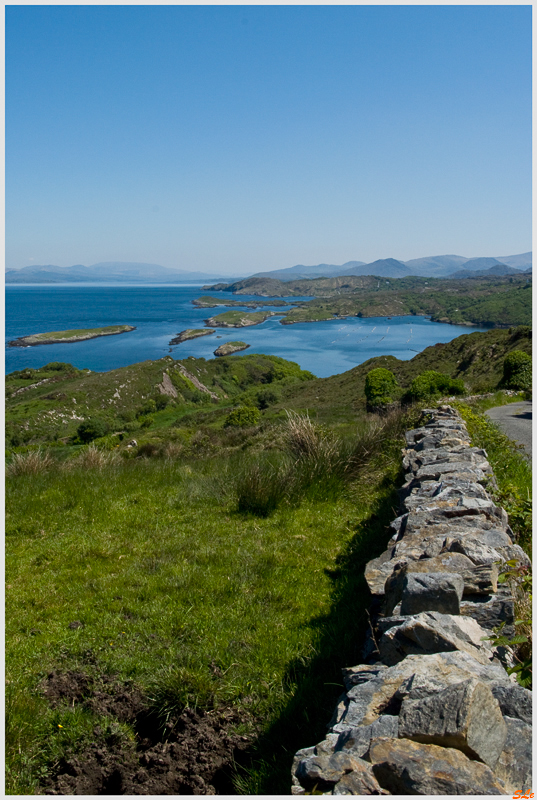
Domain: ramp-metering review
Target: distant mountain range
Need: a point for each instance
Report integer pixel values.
(429, 267)
(449, 266)
(108, 272)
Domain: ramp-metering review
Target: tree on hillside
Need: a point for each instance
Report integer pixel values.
(380, 388)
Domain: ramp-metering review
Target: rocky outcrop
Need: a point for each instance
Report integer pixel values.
(229, 348)
(432, 709)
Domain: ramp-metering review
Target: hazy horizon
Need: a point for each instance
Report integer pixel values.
(240, 139)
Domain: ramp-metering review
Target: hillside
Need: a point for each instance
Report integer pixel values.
(494, 300)
(48, 404)
(185, 562)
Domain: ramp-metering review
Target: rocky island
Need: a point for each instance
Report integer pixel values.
(190, 333)
(239, 319)
(67, 337)
(230, 347)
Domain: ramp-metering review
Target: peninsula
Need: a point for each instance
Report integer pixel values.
(238, 319)
(212, 302)
(501, 301)
(67, 337)
(190, 333)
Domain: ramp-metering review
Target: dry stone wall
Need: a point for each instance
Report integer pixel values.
(432, 709)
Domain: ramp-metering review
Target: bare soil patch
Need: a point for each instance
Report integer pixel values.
(193, 753)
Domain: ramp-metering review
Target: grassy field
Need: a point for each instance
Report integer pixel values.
(146, 571)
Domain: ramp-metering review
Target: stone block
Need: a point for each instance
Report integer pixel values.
(360, 781)
(384, 691)
(432, 591)
(432, 632)
(405, 767)
(514, 766)
(489, 611)
(514, 700)
(322, 772)
(423, 591)
(465, 716)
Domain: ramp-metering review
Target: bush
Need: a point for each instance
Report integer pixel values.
(242, 416)
(161, 401)
(380, 387)
(433, 384)
(517, 370)
(92, 429)
(267, 397)
(149, 407)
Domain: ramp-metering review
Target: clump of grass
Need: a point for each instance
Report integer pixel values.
(316, 464)
(33, 462)
(261, 486)
(94, 458)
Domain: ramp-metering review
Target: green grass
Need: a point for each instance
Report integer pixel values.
(512, 471)
(168, 578)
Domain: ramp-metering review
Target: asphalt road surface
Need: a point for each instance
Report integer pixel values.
(515, 421)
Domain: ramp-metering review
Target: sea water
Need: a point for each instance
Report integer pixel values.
(161, 312)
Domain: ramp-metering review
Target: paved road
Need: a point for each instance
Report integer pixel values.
(515, 421)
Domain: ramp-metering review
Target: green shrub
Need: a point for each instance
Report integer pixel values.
(242, 416)
(161, 401)
(380, 387)
(145, 420)
(149, 407)
(91, 429)
(433, 384)
(267, 397)
(517, 370)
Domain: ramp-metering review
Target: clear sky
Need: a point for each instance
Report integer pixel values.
(235, 139)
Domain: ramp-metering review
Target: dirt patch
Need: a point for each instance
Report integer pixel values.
(192, 754)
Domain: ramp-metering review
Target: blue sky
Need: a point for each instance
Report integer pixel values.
(234, 139)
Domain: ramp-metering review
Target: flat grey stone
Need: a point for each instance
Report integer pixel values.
(514, 767)
(514, 700)
(405, 767)
(465, 716)
(432, 632)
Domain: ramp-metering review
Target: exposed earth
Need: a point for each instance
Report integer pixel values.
(192, 753)
(515, 420)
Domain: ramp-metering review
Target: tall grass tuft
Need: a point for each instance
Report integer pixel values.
(34, 462)
(94, 458)
(261, 486)
(316, 464)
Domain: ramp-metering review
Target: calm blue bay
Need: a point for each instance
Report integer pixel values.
(160, 312)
